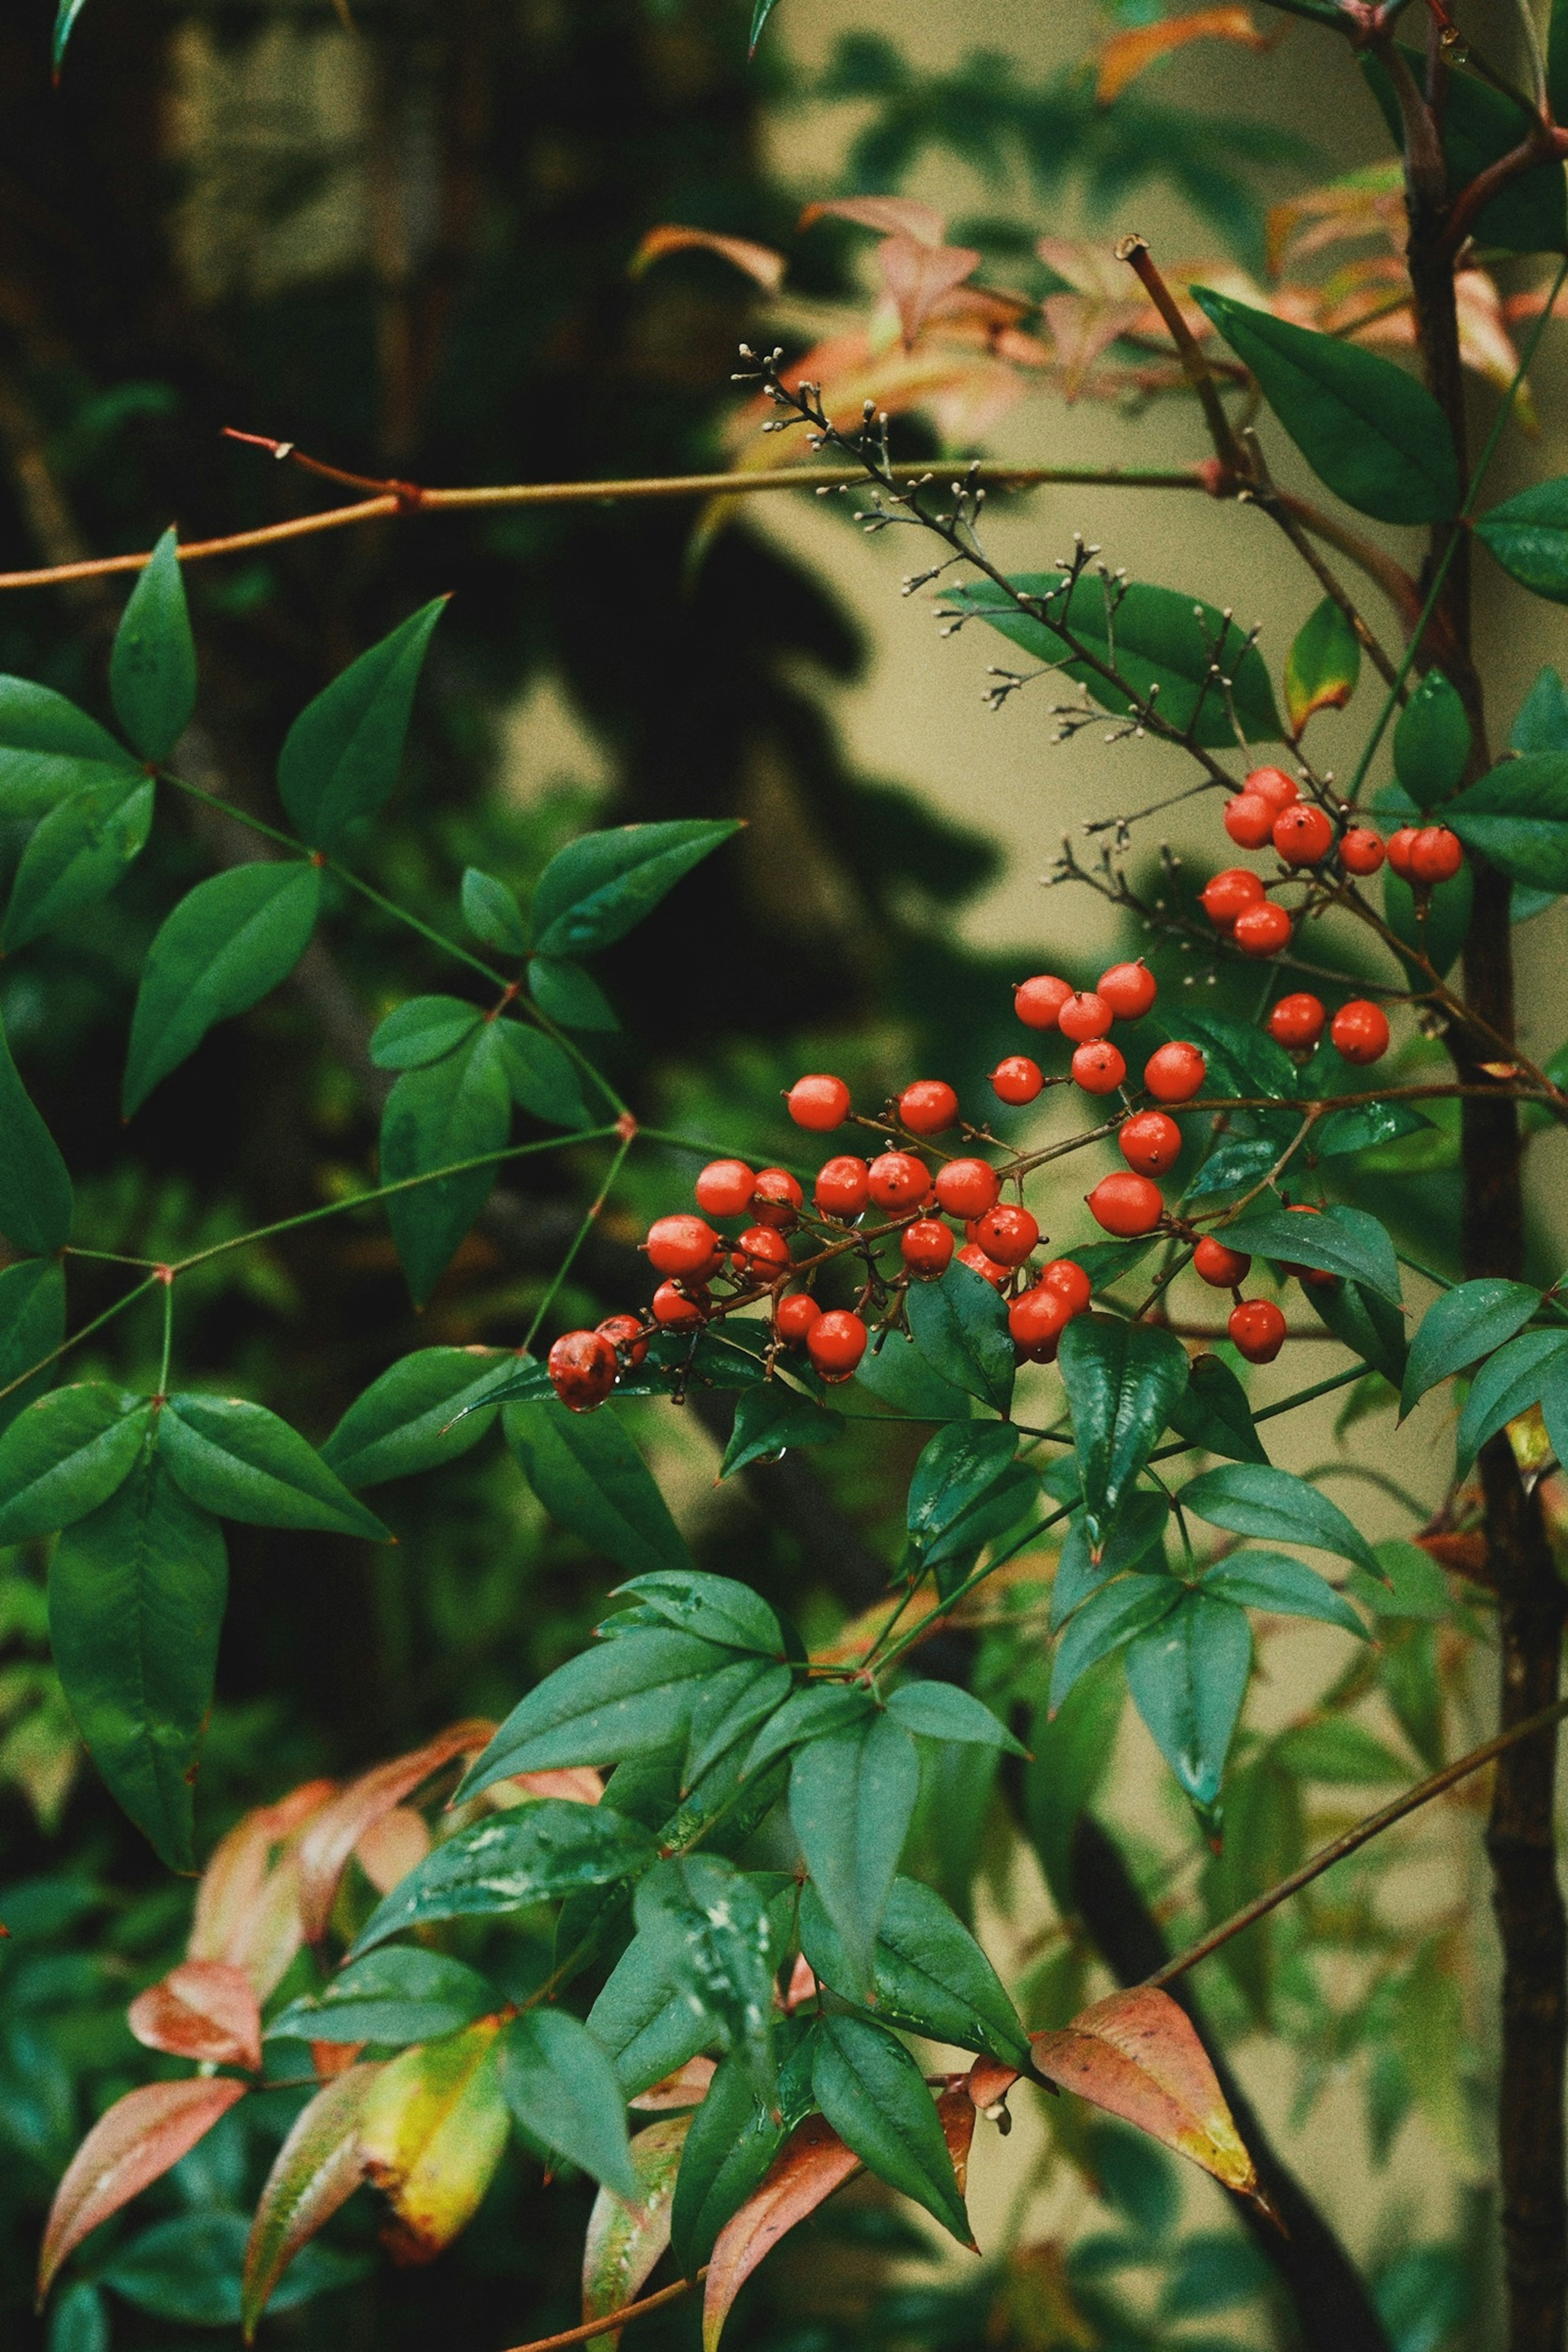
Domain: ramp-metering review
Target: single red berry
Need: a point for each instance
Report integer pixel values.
(683, 1246)
(967, 1188)
(724, 1188)
(1018, 1079)
(581, 1367)
(1038, 1000)
(794, 1315)
(777, 1198)
(928, 1107)
(843, 1186)
(1036, 1319)
(897, 1180)
(626, 1337)
(1436, 855)
(1360, 1031)
(1151, 1143)
(975, 1258)
(1175, 1073)
(1257, 1330)
(1296, 1022)
(1230, 894)
(1126, 1205)
(762, 1253)
(1130, 988)
(1361, 850)
(1400, 845)
(1221, 1268)
(1249, 821)
(1084, 1016)
(1099, 1067)
(1303, 835)
(820, 1103)
(674, 1310)
(1007, 1234)
(835, 1343)
(1065, 1274)
(1262, 930)
(1273, 786)
(927, 1247)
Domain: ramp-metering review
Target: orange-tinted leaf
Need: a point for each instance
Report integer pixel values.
(955, 2109)
(891, 215)
(202, 2009)
(1137, 2055)
(803, 1985)
(758, 261)
(138, 2140)
(337, 1829)
(625, 2241)
(431, 2134)
(574, 1784)
(987, 2084)
(318, 2168)
(330, 2058)
(391, 1846)
(248, 1909)
(919, 277)
(1129, 54)
(687, 2087)
(808, 2169)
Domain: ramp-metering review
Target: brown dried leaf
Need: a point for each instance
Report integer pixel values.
(138, 2140)
(202, 2009)
(318, 2168)
(625, 2241)
(758, 261)
(333, 1834)
(1137, 2055)
(957, 2110)
(809, 2168)
(1127, 55)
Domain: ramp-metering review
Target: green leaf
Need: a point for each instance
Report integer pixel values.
(1542, 724)
(227, 944)
(875, 2097)
(316, 2170)
(458, 1109)
(153, 667)
(598, 888)
(65, 1455)
(1557, 60)
(1073, 1751)
(66, 16)
(1284, 1586)
(770, 1420)
(1364, 1126)
(709, 1932)
(626, 1697)
(1122, 1380)
(393, 1997)
(77, 856)
(1431, 742)
(729, 1706)
(1481, 125)
(808, 1714)
(1108, 1621)
(1518, 817)
(898, 1377)
(36, 1198)
(649, 2025)
(340, 758)
(1529, 537)
(32, 1326)
(561, 2087)
(958, 1465)
(241, 1462)
(492, 912)
(1363, 1321)
(1252, 1499)
(960, 1326)
(1373, 433)
(934, 1710)
(1188, 1677)
(1462, 1326)
(565, 994)
(543, 1076)
(851, 1798)
(1157, 639)
(1413, 1584)
(716, 1607)
(590, 1478)
(1242, 1059)
(1338, 1751)
(762, 10)
(80, 2320)
(1508, 1384)
(928, 1975)
(50, 750)
(1214, 1412)
(1322, 666)
(1346, 1242)
(1233, 1165)
(136, 1601)
(1140, 1527)
(733, 2139)
(425, 1410)
(425, 1029)
(507, 1861)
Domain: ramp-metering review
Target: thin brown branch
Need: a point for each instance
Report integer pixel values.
(613, 2320)
(1134, 251)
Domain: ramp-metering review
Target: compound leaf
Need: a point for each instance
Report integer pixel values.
(626, 1697)
(36, 1199)
(1252, 1498)
(960, 1326)
(425, 1410)
(851, 1798)
(1467, 1323)
(77, 856)
(316, 2170)
(65, 1455)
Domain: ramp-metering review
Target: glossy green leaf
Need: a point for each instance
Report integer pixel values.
(1140, 1528)
(50, 750)
(898, 1377)
(1213, 1412)
(77, 856)
(316, 2172)
(875, 2097)
(1363, 1126)
(153, 667)
(136, 1601)
(1252, 1499)
(598, 888)
(562, 2087)
(543, 1076)
(1529, 213)
(1528, 535)
(1365, 1322)
(1122, 1380)
(1073, 1752)
(956, 1467)
(1541, 721)
(1106, 1621)
(807, 1714)
(509, 1860)
(227, 944)
(1413, 1585)
(717, 1607)
(36, 1199)
(934, 1710)
(1432, 740)
(1156, 638)
(734, 2137)
(1465, 1324)
(1372, 432)
(952, 1553)
(851, 1798)
(1284, 1586)
(66, 16)
(492, 912)
(729, 1708)
(760, 11)
(1508, 1384)
(708, 1929)
(769, 1420)
(32, 1326)
(568, 995)
(425, 1029)
(590, 1478)
(1518, 817)
(79, 2321)
(457, 1110)
(425, 1410)
(1322, 666)
(65, 1455)
(393, 1996)
(960, 1326)
(928, 1975)
(1233, 1166)
(626, 1697)
(645, 2020)
(340, 758)
(1242, 1057)
(1346, 1242)
(1188, 1677)
(242, 1462)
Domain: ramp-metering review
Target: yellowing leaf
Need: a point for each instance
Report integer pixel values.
(248, 1905)
(337, 1829)
(138, 2140)
(625, 2241)
(1137, 2055)
(758, 261)
(1129, 54)
(318, 2168)
(431, 2134)
(202, 2009)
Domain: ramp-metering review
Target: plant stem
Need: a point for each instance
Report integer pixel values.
(590, 1219)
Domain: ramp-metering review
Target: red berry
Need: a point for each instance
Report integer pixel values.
(1066, 1276)
(724, 1188)
(1262, 930)
(1273, 786)
(1314, 1277)
(1249, 821)
(777, 1198)
(1099, 1067)
(1130, 988)
(1361, 850)
(760, 1253)
(967, 1188)
(1175, 1073)
(1126, 1205)
(1007, 1234)
(843, 1187)
(1400, 845)
(626, 1337)
(581, 1367)
(793, 1315)
(1221, 1268)
(1436, 855)
(683, 1246)
(898, 1180)
(1258, 1329)
(927, 1247)
(820, 1103)
(928, 1107)
(975, 1258)
(1038, 1000)
(1230, 894)
(1296, 1022)
(1151, 1143)
(1303, 835)
(1360, 1031)
(835, 1343)
(1018, 1079)
(1036, 1319)
(1084, 1016)
(674, 1310)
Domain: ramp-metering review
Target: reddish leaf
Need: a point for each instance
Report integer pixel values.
(248, 1909)
(758, 261)
(202, 2009)
(135, 2142)
(330, 2058)
(892, 215)
(920, 276)
(812, 2165)
(957, 2110)
(574, 1784)
(687, 2087)
(1129, 54)
(337, 1829)
(625, 2241)
(391, 1846)
(318, 2168)
(803, 1985)
(1137, 2056)
(987, 2084)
